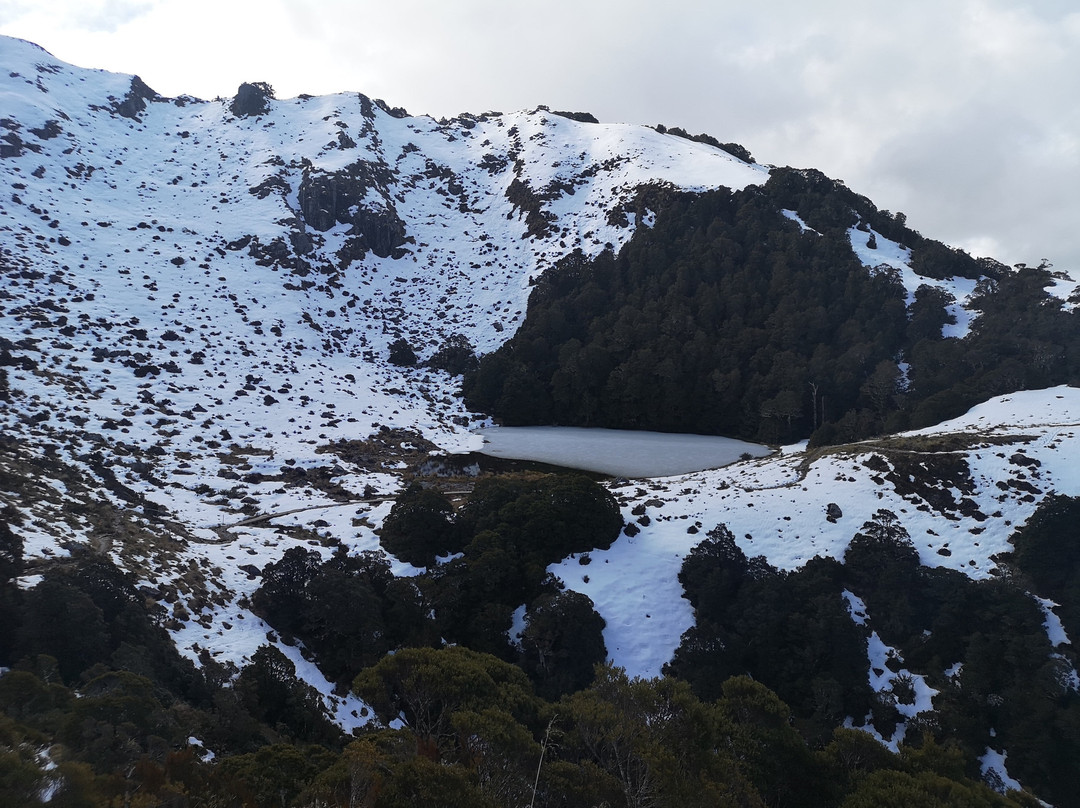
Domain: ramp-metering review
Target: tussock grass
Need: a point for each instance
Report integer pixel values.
(943, 442)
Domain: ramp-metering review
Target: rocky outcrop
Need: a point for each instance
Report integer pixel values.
(358, 195)
(252, 99)
(580, 117)
(11, 145)
(134, 102)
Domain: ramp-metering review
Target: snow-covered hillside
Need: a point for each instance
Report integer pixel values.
(198, 308)
(165, 266)
(960, 489)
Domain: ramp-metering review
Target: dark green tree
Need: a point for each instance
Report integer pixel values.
(425, 687)
(61, 620)
(562, 643)
(271, 691)
(420, 526)
(456, 355)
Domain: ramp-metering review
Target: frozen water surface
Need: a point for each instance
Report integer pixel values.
(621, 453)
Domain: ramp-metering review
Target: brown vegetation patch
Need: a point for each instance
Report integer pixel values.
(383, 450)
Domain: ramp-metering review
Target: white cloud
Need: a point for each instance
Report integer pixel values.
(94, 16)
(108, 16)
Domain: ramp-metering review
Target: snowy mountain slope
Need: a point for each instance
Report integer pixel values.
(187, 306)
(171, 234)
(197, 308)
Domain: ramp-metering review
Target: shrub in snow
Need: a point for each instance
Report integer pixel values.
(402, 353)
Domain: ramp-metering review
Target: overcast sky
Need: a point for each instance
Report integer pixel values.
(964, 114)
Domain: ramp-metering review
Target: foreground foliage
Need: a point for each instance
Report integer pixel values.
(473, 734)
(99, 709)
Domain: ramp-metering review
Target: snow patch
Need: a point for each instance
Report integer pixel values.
(994, 772)
(790, 214)
(1055, 631)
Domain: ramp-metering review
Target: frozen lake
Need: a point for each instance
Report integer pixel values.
(620, 453)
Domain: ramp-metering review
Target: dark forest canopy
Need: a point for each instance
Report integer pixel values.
(727, 317)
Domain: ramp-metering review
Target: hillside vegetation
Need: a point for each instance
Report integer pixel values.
(729, 317)
(750, 714)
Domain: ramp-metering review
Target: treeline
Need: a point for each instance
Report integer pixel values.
(726, 317)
